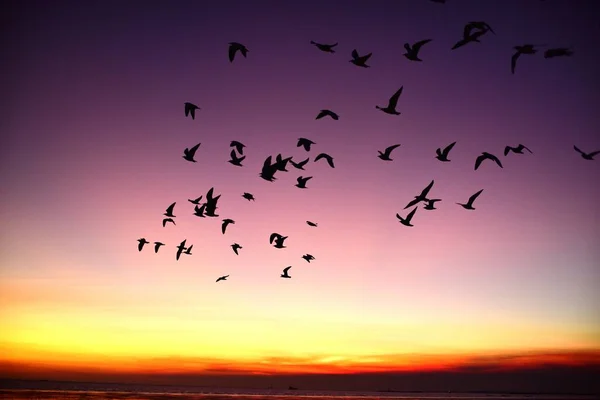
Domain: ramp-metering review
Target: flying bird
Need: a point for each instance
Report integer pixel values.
(235, 47)
(142, 242)
(169, 211)
(406, 221)
(385, 155)
(485, 155)
(278, 240)
(524, 49)
(558, 52)
(223, 278)
(327, 113)
(360, 61)
(310, 223)
(188, 154)
(268, 170)
(157, 246)
(412, 52)
(326, 157)
(431, 204)
(482, 26)
(442, 155)
(199, 211)
(180, 249)
(587, 156)
(226, 222)
(165, 220)
(327, 48)
(391, 107)
(285, 272)
(239, 146)
(302, 182)
(306, 143)
(190, 109)
(211, 203)
(235, 248)
(300, 164)
(188, 251)
(469, 37)
(517, 150)
(248, 196)
(469, 205)
(281, 163)
(195, 201)
(235, 160)
(308, 257)
(422, 196)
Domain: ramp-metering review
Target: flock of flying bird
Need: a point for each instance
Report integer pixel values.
(472, 33)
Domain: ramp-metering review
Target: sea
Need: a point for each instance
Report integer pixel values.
(47, 390)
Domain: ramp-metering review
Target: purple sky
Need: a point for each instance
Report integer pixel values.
(94, 130)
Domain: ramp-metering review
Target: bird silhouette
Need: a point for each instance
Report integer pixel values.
(481, 25)
(141, 243)
(442, 155)
(587, 156)
(281, 163)
(469, 36)
(268, 170)
(431, 204)
(234, 47)
(235, 160)
(188, 154)
(412, 52)
(524, 49)
(190, 109)
(199, 210)
(285, 272)
(326, 157)
(422, 196)
(165, 220)
(239, 146)
(406, 221)
(235, 248)
(308, 257)
(360, 61)
(302, 181)
(248, 196)
(558, 52)
(180, 249)
(517, 150)
(211, 203)
(195, 201)
(327, 113)
(469, 205)
(391, 107)
(487, 156)
(223, 278)
(385, 155)
(306, 143)
(226, 222)
(310, 223)
(300, 164)
(327, 48)
(169, 211)
(278, 239)
(188, 251)
(157, 246)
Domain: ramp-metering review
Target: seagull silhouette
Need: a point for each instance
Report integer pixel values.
(248, 196)
(190, 109)
(195, 201)
(188, 154)
(199, 211)
(306, 143)
(485, 155)
(157, 246)
(235, 47)
(587, 156)
(469, 205)
(308, 257)
(223, 278)
(406, 221)
(482, 26)
(268, 170)
(422, 196)
(235, 248)
(169, 211)
(412, 52)
(326, 157)
(285, 272)
(385, 155)
(142, 242)
(226, 222)
(431, 204)
(235, 160)
(360, 61)
(442, 155)
(300, 164)
(302, 182)
(310, 223)
(211, 203)
(327, 48)
(558, 52)
(469, 37)
(517, 150)
(239, 146)
(180, 249)
(165, 220)
(391, 107)
(278, 240)
(524, 49)
(327, 113)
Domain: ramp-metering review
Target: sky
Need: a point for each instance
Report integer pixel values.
(94, 131)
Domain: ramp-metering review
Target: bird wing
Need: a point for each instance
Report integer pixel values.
(495, 159)
(577, 150)
(286, 269)
(273, 236)
(399, 217)
(410, 214)
(232, 50)
(394, 99)
(354, 54)
(473, 197)
(526, 148)
(594, 153)
(318, 157)
(407, 47)
(329, 160)
(448, 148)
(425, 191)
(366, 57)
(513, 61)
(420, 44)
(321, 114)
(389, 149)
(224, 226)
(170, 208)
(233, 155)
(507, 149)
(412, 203)
(479, 160)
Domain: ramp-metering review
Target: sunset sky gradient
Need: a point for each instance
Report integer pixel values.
(94, 130)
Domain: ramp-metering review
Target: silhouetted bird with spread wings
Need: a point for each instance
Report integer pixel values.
(188, 154)
(406, 221)
(360, 61)
(412, 52)
(442, 155)
(487, 156)
(391, 107)
(190, 109)
(327, 113)
(517, 150)
(234, 47)
(326, 157)
(587, 156)
(469, 204)
(385, 155)
(327, 48)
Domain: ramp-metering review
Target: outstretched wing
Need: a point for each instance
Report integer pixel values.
(394, 99)
(513, 61)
